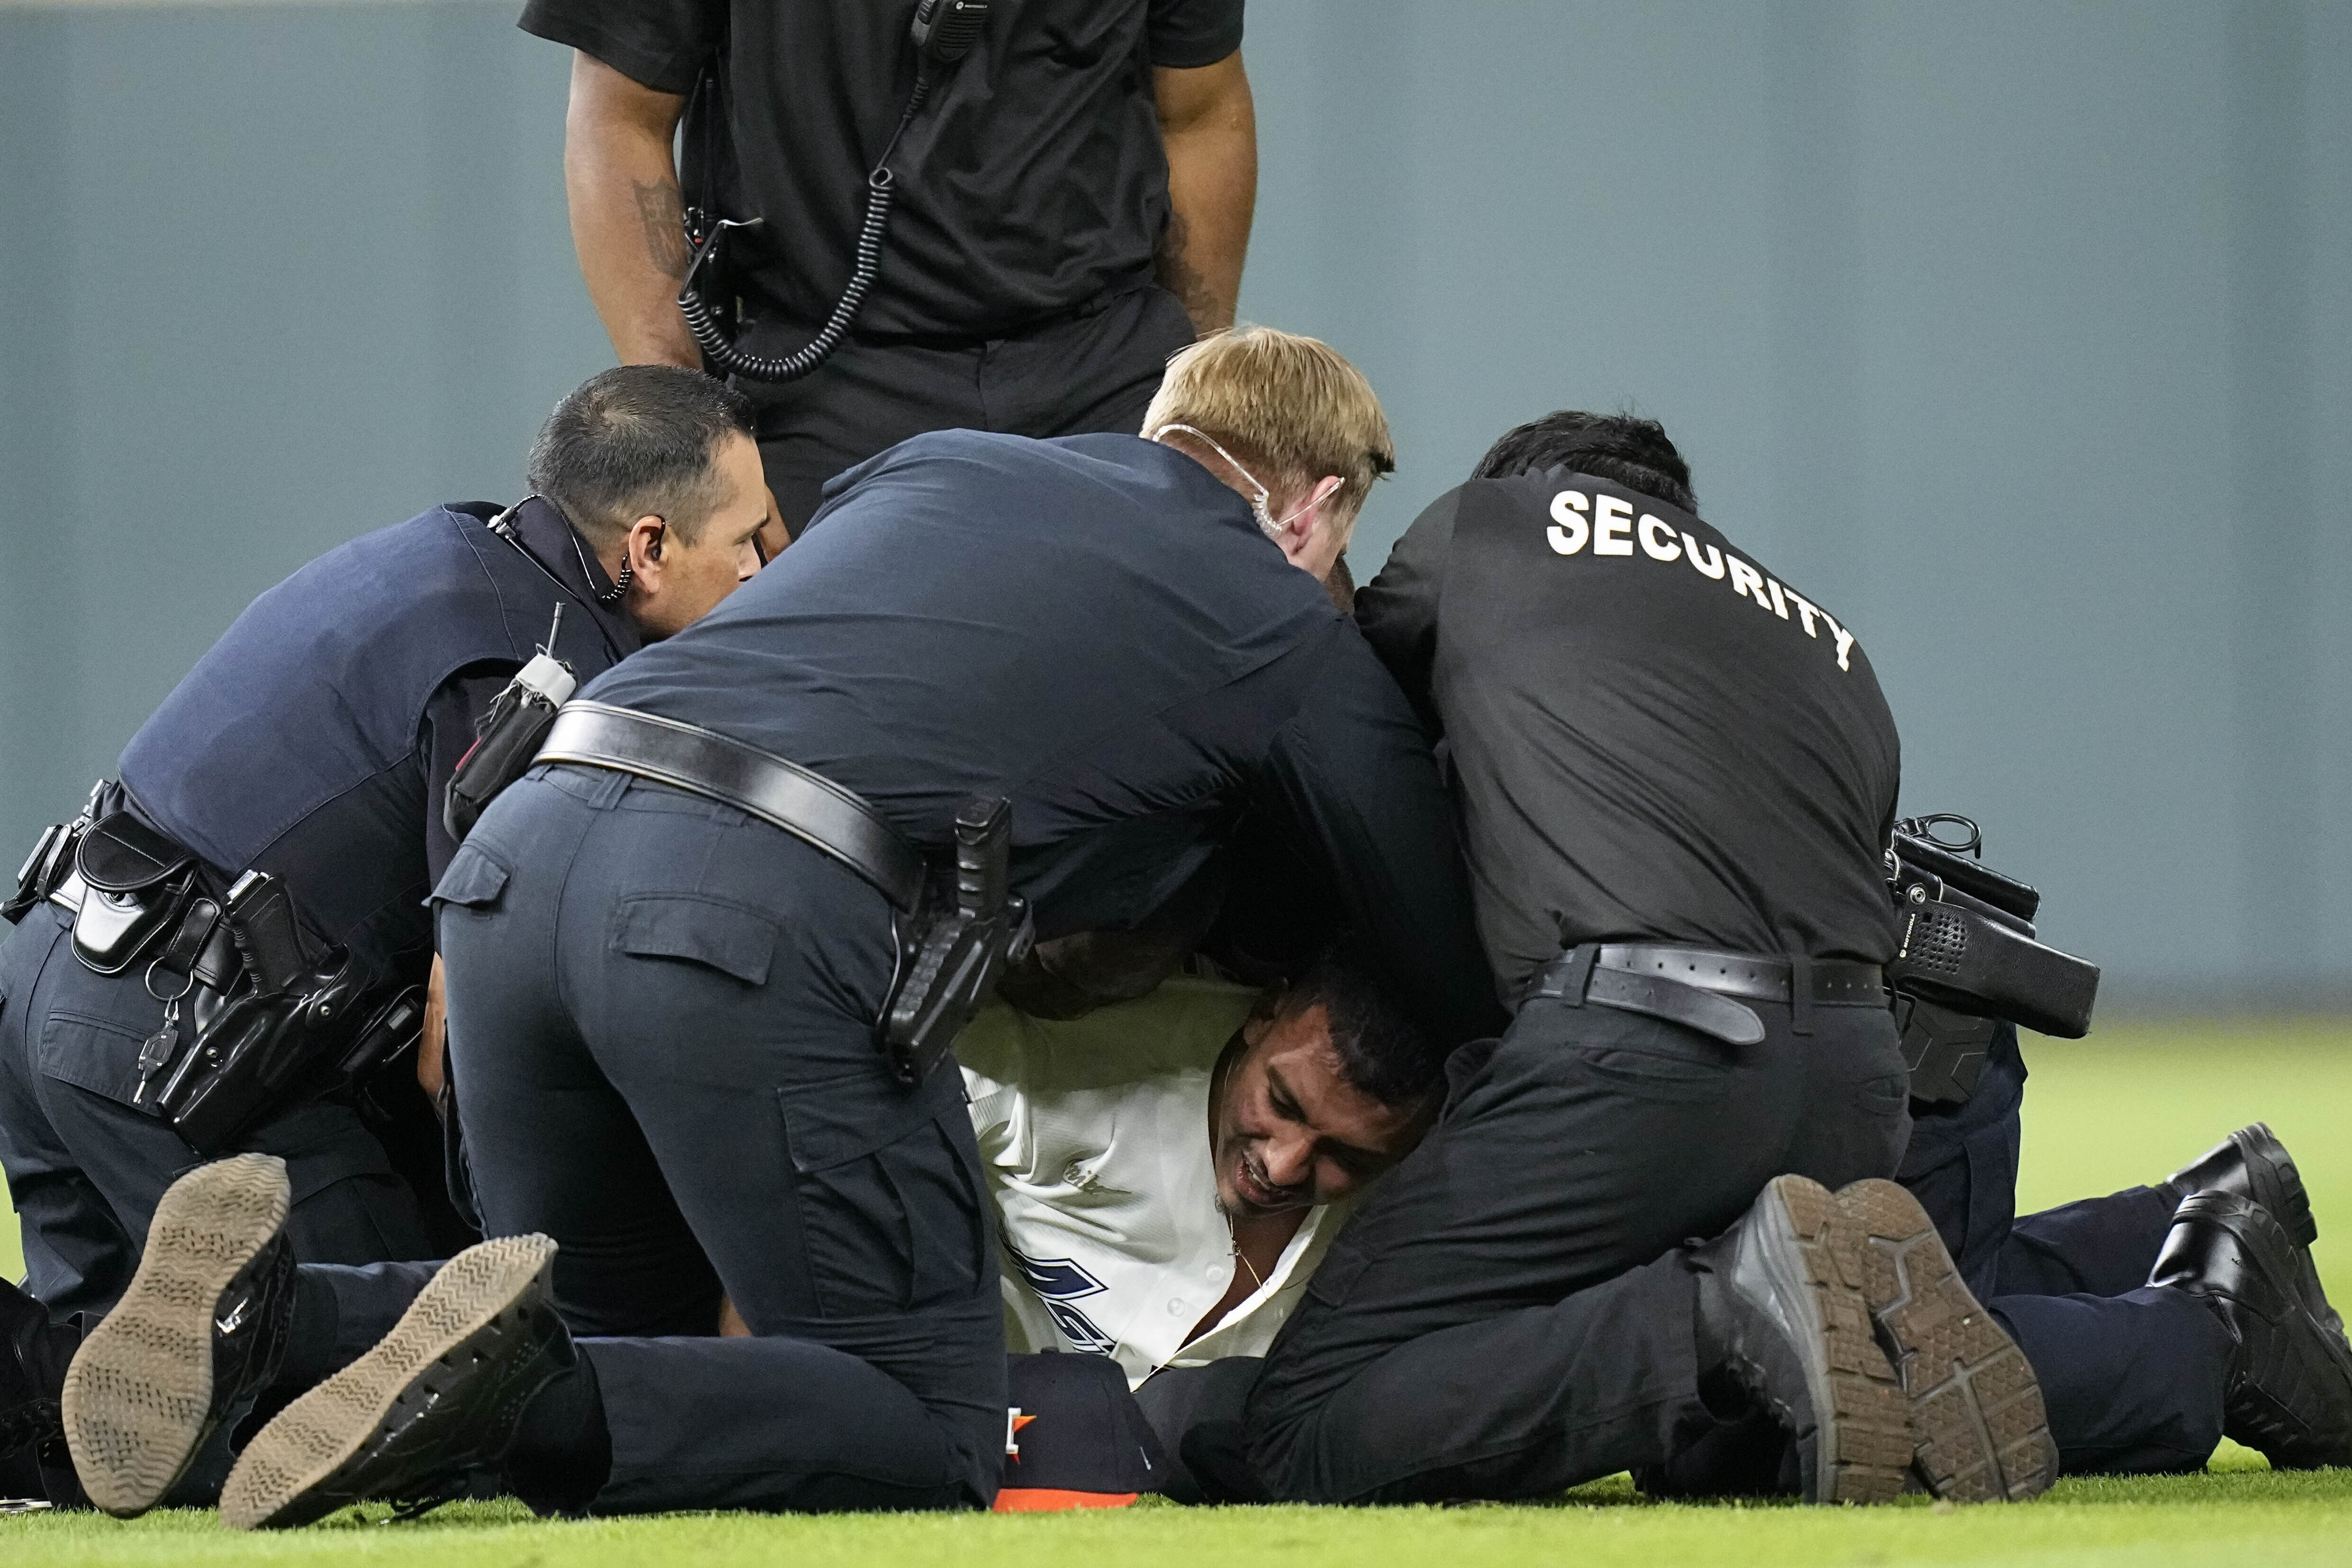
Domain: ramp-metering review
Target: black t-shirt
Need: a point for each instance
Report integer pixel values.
(1030, 183)
(1094, 627)
(1651, 737)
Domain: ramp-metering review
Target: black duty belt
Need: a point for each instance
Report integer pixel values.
(1696, 987)
(806, 804)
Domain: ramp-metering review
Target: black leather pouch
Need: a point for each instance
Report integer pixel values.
(139, 883)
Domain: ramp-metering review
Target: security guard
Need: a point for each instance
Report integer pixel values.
(1069, 186)
(313, 744)
(678, 950)
(1676, 775)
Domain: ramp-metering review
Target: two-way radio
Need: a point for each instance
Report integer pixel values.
(942, 33)
(1968, 957)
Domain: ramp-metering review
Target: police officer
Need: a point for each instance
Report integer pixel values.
(314, 743)
(1070, 204)
(668, 960)
(1676, 775)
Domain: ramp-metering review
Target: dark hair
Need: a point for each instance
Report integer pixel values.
(1382, 1052)
(635, 439)
(1634, 452)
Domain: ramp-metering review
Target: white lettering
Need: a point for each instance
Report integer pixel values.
(1691, 547)
(1844, 640)
(1805, 611)
(1569, 531)
(1779, 605)
(1658, 540)
(1611, 519)
(1745, 579)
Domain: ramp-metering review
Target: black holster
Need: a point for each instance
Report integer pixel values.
(256, 1018)
(968, 926)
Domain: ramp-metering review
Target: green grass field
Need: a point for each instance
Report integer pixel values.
(2104, 1113)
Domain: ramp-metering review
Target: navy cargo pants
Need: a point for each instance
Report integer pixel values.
(85, 1169)
(661, 1034)
(2133, 1376)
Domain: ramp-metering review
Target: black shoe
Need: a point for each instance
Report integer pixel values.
(1794, 1334)
(1984, 1436)
(2252, 1164)
(1746, 1456)
(431, 1408)
(34, 1354)
(193, 1341)
(2290, 1389)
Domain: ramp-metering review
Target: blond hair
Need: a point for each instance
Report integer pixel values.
(1288, 402)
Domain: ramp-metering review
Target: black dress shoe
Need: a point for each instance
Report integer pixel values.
(199, 1334)
(2290, 1388)
(2252, 1164)
(1984, 1435)
(433, 1407)
(34, 1353)
(1775, 1312)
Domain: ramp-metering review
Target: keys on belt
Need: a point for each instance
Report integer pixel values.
(1702, 989)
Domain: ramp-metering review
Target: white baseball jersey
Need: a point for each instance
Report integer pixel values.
(1095, 1137)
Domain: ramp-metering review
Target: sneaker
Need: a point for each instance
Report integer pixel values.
(34, 1354)
(195, 1341)
(432, 1407)
(1975, 1402)
(1793, 1331)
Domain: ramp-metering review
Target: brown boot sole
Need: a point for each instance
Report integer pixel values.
(1867, 1456)
(139, 1393)
(281, 1478)
(1984, 1436)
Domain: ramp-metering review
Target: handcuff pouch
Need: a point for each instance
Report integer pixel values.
(137, 884)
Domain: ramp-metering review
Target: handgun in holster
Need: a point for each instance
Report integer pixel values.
(1968, 959)
(291, 1025)
(967, 931)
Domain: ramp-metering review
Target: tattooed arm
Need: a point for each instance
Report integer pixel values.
(1210, 130)
(622, 183)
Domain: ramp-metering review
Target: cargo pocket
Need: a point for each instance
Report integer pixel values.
(475, 880)
(730, 938)
(100, 1055)
(899, 1224)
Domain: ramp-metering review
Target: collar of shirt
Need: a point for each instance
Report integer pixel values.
(557, 546)
(1093, 1133)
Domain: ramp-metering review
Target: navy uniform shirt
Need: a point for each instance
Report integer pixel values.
(1650, 736)
(315, 740)
(1095, 627)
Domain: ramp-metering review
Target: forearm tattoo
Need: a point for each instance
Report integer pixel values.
(1182, 278)
(662, 211)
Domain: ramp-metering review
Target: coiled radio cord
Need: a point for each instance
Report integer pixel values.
(867, 262)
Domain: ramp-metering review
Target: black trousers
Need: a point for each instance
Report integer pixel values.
(1505, 1314)
(1095, 370)
(661, 1033)
(2133, 1377)
(86, 1170)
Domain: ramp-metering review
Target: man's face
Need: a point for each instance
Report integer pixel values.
(695, 577)
(1291, 1131)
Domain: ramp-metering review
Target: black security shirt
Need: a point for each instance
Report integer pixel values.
(1095, 627)
(1030, 183)
(1649, 735)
